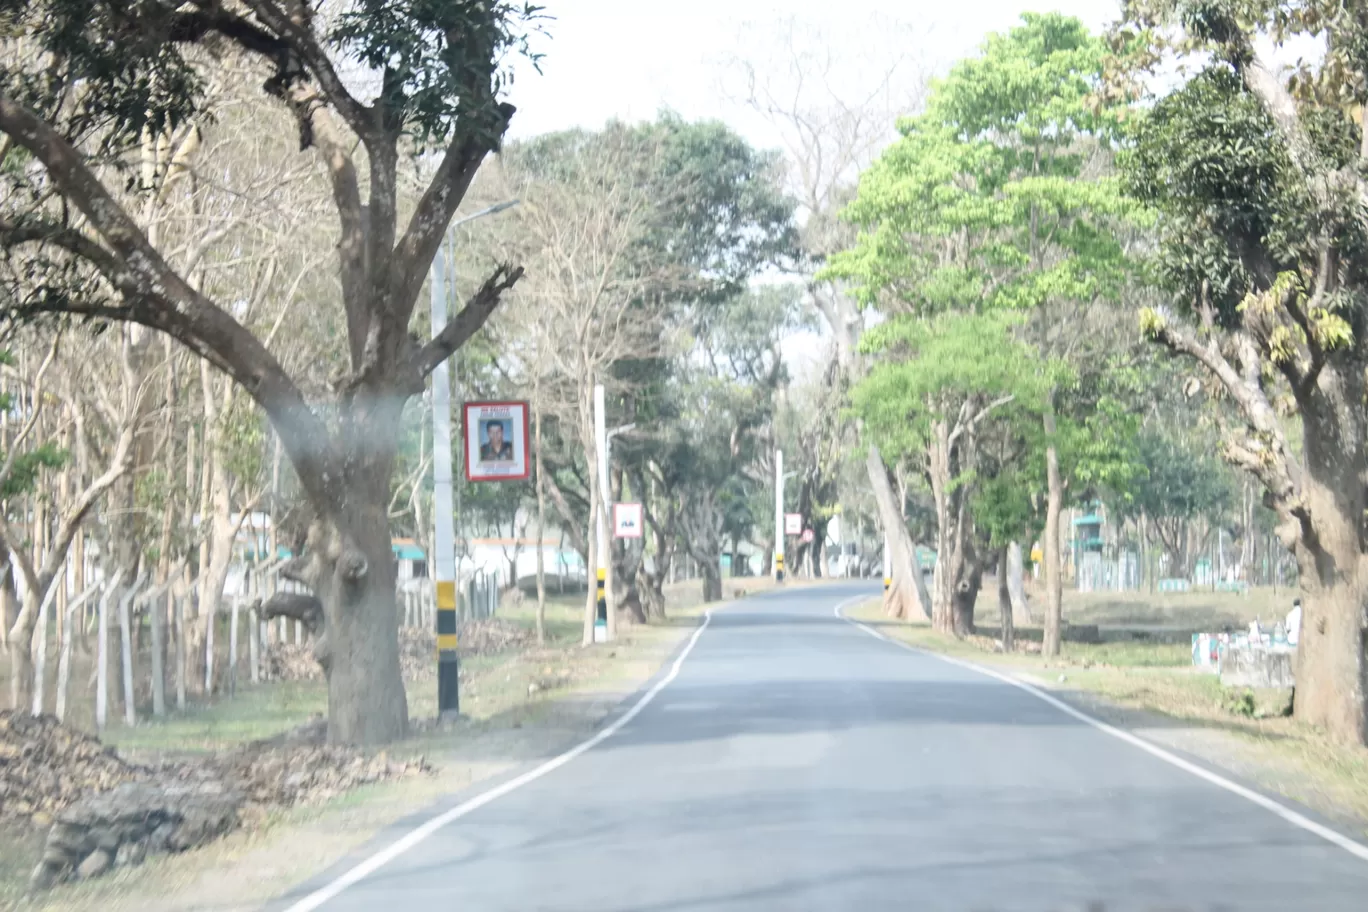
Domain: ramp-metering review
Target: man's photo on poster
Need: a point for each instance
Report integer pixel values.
(496, 440)
(496, 446)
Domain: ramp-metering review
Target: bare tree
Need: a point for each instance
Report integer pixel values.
(830, 131)
(446, 94)
(584, 222)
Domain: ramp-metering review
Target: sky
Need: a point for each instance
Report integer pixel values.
(628, 59)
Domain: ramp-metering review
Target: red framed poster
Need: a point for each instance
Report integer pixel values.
(496, 441)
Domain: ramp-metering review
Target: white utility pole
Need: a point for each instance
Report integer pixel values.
(779, 516)
(443, 558)
(780, 476)
(605, 507)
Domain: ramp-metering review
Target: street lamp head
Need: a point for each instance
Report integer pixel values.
(489, 210)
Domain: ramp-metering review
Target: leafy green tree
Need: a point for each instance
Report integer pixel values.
(1259, 184)
(996, 198)
(1183, 482)
(928, 398)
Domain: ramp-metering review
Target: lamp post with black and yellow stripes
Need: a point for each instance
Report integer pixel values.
(443, 559)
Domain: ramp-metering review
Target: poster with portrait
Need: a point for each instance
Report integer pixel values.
(496, 441)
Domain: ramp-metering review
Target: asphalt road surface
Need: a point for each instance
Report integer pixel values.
(798, 763)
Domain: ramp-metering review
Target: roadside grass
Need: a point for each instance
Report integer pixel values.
(1150, 685)
(490, 684)
(1178, 611)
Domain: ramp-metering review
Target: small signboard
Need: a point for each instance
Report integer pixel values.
(496, 441)
(627, 520)
(807, 536)
(793, 523)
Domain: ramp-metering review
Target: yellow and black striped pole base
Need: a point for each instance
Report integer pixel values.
(778, 568)
(448, 671)
(601, 615)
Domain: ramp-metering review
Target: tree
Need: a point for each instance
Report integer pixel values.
(587, 216)
(1183, 482)
(937, 383)
(724, 397)
(994, 198)
(695, 212)
(1259, 185)
(37, 560)
(828, 138)
(437, 79)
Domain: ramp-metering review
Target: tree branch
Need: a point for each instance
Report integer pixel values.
(468, 322)
(1268, 456)
(37, 387)
(296, 33)
(416, 249)
(160, 299)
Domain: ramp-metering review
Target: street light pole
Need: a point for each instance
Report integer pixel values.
(443, 555)
(778, 516)
(780, 476)
(606, 535)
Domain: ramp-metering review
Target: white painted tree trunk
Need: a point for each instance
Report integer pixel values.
(1021, 609)
(102, 654)
(209, 647)
(38, 647)
(254, 626)
(158, 619)
(182, 647)
(126, 632)
(234, 614)
(64, 657)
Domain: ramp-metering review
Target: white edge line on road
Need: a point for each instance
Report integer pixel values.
(420, 833)
(1300, 821)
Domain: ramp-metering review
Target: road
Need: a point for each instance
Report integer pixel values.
(798, 763)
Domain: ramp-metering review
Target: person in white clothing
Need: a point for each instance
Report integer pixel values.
(1294, 623)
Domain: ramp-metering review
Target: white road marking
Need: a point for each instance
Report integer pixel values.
(418, 834)
(1301, 821)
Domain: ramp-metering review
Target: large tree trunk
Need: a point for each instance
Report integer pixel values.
(1005, 607)
(951, 457)
(906, 597)
(1331, 671)
(712, 581)
(222, 530)
(1054, 503)
(701, 525)
(21, 672)
(349, 564)
(965, 596)
(1330, 666)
